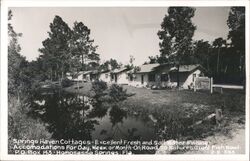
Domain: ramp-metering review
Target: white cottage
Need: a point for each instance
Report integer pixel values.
(90, 75)
(84, 76)
(120, 76)
(165, 75)
(141, 78)
(77, 76)
(105, 76)
(187, 74)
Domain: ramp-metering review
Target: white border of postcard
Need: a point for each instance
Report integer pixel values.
(5, 4)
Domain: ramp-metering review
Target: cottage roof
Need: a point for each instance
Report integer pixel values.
(88, 72)
(186, 68)
(104, 71)
(146, 68)
(163, 68)
(119, 70)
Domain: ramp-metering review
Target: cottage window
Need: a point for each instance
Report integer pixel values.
(164, 77)
(151, 77)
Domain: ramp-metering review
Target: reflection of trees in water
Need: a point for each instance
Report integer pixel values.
(73, 116)
(98, 110)
(116, 115)
(65, 115)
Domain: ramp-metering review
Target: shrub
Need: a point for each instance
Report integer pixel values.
(172, 125)
(98, 87)
(117, 93)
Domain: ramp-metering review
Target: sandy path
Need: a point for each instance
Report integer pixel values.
(234, 143)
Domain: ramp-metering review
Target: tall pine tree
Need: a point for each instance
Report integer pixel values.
(82, 48)
(55, 51)
(176, 35)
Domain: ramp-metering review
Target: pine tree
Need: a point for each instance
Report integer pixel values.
(176, 35)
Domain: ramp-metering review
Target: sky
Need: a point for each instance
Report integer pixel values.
(119, 31)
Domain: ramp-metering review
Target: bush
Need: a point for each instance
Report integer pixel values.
(98, 87)
(172, 125)
(117, 93)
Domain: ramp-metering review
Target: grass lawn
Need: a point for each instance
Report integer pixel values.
(230, 100)
(181, 100)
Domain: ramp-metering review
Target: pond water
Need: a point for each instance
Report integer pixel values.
(72, 116)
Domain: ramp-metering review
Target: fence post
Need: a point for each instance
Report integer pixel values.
(221, 90)
(211, 85)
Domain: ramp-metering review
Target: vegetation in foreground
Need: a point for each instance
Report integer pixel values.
(22, 126)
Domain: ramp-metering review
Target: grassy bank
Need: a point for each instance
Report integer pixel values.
(176, 110)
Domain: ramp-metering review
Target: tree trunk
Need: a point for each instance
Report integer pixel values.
(18, 97)
(225, 71)
(62, 73)
(55, 75)
(208, 59)
(218, 61)
(207, 64)
(82, 61)
(178, 76)
(51, 74)
(62, 78)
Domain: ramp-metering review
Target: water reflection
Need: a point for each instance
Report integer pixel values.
(117, 115)
(65, 114)
(72, 116)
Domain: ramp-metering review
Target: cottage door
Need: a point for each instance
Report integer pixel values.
(142, 79)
